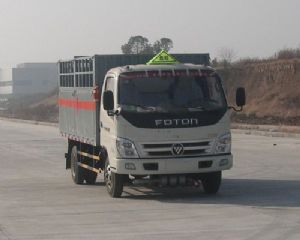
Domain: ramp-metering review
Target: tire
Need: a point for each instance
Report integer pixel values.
(113, 181)
(76, 171)
(211, 182)
(90, 177)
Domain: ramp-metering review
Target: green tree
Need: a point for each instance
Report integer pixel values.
(137, 45)
(162, 44)
(141, 45)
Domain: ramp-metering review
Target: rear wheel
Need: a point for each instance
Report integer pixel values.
(211, 182)
(76, 171)
(90, 177)
(114, 182)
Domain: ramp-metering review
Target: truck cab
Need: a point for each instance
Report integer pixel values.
(166, 123)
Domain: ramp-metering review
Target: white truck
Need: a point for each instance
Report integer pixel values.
(164, 123)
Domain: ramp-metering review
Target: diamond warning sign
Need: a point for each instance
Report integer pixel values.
(162, 58)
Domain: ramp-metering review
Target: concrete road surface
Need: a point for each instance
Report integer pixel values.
(259, 198)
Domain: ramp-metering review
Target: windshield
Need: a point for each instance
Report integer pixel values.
(171, 93)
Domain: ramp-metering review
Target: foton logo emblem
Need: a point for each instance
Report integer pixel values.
(177, 122)
(177, 149)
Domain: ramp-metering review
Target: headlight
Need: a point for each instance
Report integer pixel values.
(223, 143)
(126, 148)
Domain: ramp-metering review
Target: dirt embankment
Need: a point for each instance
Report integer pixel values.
(272, 88)
(40, 107)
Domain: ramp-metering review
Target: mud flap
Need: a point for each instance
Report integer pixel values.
(68, 160)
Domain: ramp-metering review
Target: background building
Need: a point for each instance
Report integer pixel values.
(28, 79)
(5, 82)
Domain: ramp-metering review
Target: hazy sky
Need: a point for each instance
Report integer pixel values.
(47, 30)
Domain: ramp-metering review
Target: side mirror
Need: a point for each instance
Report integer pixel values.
(108, 100)
(240, 97)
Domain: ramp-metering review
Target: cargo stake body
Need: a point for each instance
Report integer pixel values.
(163, 123)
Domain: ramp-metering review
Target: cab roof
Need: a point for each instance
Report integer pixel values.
(146, 68)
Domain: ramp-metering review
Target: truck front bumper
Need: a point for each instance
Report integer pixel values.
(182, 165)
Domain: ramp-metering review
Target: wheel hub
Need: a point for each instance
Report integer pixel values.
(108, 176)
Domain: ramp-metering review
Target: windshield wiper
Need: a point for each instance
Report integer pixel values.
(143, 107)
(196, 108)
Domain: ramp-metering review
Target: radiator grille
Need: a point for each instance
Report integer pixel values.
(194, 148)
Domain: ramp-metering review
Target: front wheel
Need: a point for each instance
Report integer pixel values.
(211, 182)
(114, 182)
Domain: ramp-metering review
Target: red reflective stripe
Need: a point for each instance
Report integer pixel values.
(82, 105)
(85, 105)
(67, 103)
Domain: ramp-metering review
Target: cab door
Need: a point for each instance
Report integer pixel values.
(108, 123)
